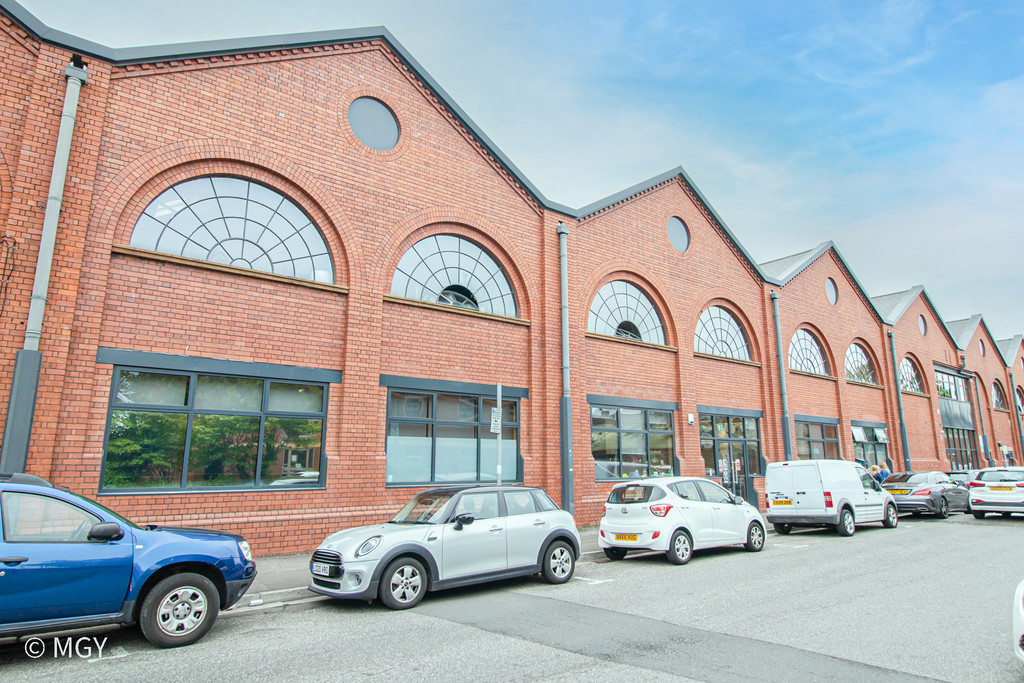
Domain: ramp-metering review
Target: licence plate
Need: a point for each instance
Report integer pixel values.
(625, 537)
(899, 492)
(782, 502)
(321, 569)
(1000, 488)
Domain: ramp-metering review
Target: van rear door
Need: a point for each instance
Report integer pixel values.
(810, 500)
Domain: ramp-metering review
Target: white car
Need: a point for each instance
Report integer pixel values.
(449, 537)
(997, 489)
(676, 515)
(1018, 622)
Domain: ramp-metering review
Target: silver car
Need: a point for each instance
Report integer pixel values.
(445, 538)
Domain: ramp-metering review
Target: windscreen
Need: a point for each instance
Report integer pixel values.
(424, 508)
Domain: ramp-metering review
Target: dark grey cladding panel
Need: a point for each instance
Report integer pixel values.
(956, 414)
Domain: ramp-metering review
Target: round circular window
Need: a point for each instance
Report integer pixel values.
(678, 235)
(831, 291)
(373, 123)
(981, 347)
(922, 325)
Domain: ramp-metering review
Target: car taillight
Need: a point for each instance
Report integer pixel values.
(604, 511)
(974, 484)
(828, 499)
(655, 535)
(767, 501)
(602, 533)
(661, 509)
(1020, 485)
(922, 492)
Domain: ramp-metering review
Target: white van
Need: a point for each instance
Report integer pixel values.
(835, 493)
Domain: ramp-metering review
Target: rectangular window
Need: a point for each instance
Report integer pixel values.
(869, 445)
(961, 448)
(817, 441)
(631, 442)
(195, 430)
(726, 441)
(444, 437)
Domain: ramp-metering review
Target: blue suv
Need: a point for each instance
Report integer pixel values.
(68, 562)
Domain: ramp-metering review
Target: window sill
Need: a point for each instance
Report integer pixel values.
(815, 375)
(452, 484)
(751, 363)
(864, 384)
(632, 342)
(124, 250)
(390, 298)
(914, 393)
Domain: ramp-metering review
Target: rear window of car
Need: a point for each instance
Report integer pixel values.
(1001, 475)
(906, 477)
(635, 494)
(544, 501)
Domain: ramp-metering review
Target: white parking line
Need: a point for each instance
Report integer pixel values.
(592, 582)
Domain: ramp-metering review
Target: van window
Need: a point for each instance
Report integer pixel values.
(635, 494)
(866, 480)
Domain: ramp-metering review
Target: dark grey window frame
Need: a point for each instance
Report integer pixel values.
(712, 412)
(616, 402)
(823, 422)
(463, 389)
(191, 411)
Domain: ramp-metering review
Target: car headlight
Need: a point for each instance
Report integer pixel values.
(368, 546)
(246, 551)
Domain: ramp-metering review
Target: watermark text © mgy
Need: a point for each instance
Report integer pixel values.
(68, 647)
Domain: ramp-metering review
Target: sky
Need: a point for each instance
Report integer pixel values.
(894, 129)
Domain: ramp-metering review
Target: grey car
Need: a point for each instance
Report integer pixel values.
(930, 492)
(445, 538)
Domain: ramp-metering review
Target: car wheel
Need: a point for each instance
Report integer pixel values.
(783, 528)
(978, 514)
(943, 508)
(1006, 515)
(403, 583)
(559, 562)
(846, 526)
(892, 517)
(179, 610)
(615, 553)
(680, 549)
(755, 538)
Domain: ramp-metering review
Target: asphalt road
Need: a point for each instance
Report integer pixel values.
(927, 600)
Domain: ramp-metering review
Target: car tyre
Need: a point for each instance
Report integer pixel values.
(680, 548)
(943, 511)
(559, 562)
(783, 528)
(179, 610)
(1006, 515)
(846, 525)
(755, 538)
(615, 553)
(892, 517)
(403, 583)
(978, 514)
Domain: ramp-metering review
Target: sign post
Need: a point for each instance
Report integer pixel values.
(496, 429)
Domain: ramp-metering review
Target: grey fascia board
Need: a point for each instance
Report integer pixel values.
(864, 423)
(816, 419)
(898, 311)
(168, 361)
(814, 255)
(452, 386)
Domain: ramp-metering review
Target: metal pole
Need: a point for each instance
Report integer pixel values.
(565, 402)
(787, 436)
(28, 361)
(904, 442)
(981, 419)
(499, 433)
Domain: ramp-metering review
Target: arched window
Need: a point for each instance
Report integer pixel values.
(236, 222)
(449, 269)
(806, 354)
(621, 309)
(998, 397)
(720, 334)
(910, 377)
(1020, 400)
(859, 367)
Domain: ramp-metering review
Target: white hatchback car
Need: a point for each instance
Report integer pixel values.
(444, 538)
(676, 515)
(1018, 622)
(997, 489)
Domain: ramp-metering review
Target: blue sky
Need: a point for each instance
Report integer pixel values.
(894, 129)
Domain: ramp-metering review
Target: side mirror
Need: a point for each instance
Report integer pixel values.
(463, 519)
(738, 500)
(106, 531)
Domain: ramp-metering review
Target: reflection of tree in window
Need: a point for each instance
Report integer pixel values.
(998, 398)
(621, 309)
(910, 377)
(859, 367)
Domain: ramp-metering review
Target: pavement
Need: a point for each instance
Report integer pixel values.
(282, 580)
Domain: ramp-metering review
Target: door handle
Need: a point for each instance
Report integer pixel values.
(800, 493)
(13, 560)
(539, 522)
(495, 529)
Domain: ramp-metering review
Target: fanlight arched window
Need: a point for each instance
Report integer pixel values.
(621, 309)
(236, 222)
(720, 334)
(806, 354)
(1020, 400)
(859, 367)
(910, 377)
(998, 397)
(449, 269)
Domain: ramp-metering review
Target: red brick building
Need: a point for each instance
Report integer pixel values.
(283, 279)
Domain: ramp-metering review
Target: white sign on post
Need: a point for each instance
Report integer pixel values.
(495, 421)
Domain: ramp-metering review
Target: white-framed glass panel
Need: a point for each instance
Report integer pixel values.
(806, 354)
(859, 367)
(235, 222)
(452, 270)
(718, 333)
(910, 377)
(621, 309)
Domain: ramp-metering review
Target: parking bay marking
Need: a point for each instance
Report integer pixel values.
(592, 582)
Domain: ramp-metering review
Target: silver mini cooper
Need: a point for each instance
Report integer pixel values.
(449, 537)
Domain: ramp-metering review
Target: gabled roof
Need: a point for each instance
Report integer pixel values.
(1008, 347)
(893, 306)
(963, 330)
